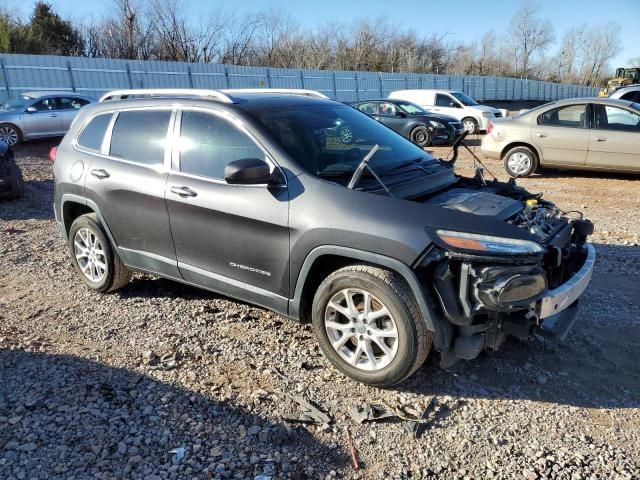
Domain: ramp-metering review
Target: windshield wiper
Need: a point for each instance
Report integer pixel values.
(364, 163)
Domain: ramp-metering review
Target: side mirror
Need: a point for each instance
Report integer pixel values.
(31, 110)
(454, 105)
(247, 171)
(400, 114)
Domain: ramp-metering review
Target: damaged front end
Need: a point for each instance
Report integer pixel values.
(487, 288)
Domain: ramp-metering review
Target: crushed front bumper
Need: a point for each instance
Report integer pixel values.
(557, 308)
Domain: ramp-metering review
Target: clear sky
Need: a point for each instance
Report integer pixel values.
(464, 20)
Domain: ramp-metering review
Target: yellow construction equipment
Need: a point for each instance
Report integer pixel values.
(624, 76)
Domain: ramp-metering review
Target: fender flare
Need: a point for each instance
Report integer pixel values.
(70, 197)
(424, 304)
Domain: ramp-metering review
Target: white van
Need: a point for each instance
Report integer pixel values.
(474, 117)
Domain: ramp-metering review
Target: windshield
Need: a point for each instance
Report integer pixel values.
(412, 108)
(464, 99)
(16, 102)
(331, 140)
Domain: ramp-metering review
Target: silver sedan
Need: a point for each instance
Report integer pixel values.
(38, 114)
(577, 133)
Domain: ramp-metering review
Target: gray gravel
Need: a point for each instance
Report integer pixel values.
(162, 380)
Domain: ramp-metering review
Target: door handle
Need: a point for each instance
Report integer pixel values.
(599, 139)
(53, 114)
(184, 192)
(541, 135)
(100, 173)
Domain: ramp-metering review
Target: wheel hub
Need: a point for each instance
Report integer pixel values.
(361, 329)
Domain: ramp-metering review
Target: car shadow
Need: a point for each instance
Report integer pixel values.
(599, 174)
(65, 416)
(596, 367)
(35, 204)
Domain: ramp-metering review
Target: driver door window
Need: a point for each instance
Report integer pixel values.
(444, 101)
(46, 105)
(208, 143)
(618, 119)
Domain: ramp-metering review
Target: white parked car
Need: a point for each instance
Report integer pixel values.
(474, 117)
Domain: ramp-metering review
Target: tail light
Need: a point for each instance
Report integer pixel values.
(52, 154)
(490, 127)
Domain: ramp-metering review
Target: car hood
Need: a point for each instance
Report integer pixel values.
(486, 108)
(438, 118)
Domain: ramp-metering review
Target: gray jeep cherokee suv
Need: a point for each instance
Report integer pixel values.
(256, 195)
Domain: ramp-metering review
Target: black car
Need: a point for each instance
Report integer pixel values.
(11, 182)
(413, 122)
(268, 198)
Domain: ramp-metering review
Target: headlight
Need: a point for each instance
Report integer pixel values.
(487, 243)
(436, 124)
(487, 114)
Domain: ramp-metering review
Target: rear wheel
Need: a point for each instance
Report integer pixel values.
(420, 136)
(10, 134)
(98, 265)
(368, 325)
(520, 162)
(470, 125)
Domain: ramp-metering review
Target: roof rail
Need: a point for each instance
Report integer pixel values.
(281, 91)
(167, 92)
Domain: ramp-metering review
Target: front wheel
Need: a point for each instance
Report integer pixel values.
(368, 325)
(10, 134)
(98, 265)
(420, 136)
(520, 162)
(470, 125)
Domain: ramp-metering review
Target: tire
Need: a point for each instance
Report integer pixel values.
(85, 231)
(470, 125)
(520, 162)
(420, 136)
(10, 134)
(387, 292)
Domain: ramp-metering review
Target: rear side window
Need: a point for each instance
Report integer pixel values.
(208, 143)
(92, 135)
(140, 136)
(572, 116)
(370, 108)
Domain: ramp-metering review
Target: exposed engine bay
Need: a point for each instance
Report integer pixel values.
(540, 218)
(486, 298)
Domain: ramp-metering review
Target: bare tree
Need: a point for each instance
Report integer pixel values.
(529, 36)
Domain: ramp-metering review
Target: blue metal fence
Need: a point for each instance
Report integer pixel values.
(94, 76)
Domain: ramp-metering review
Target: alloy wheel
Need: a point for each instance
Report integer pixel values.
(361, 329)
(469, 126)
(90, 255)
(519, 163)
(346, 135)
(9, 135)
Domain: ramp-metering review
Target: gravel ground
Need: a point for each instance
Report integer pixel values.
(162, 380)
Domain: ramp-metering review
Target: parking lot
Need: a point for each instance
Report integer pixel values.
(162, 380)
